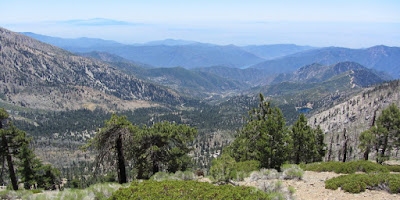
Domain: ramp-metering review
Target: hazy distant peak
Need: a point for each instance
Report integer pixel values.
(171, 42)
(97, 22)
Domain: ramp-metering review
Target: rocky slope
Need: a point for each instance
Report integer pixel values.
(344, 122)
(37, 75)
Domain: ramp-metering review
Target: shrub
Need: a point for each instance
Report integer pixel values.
(345, 167)
(36, 191)
(356, 183)
(186, 190)
(225, 168)
(354, 187)
(393, 168)
(291, 190)
(161, 176)
(394, 184)
(264, 174)
(292, 172)
(179, 175)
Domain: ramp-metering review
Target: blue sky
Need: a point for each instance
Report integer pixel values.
(350, 23)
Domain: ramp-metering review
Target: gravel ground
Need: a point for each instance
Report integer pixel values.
(313, 187)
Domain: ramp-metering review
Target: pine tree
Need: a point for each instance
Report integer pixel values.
(264, 137)
(111, 142)
(11, 141)
(307, 144)
(390, 134)
(28, 166)
(162, 146)
(368, 141)
(321, 146)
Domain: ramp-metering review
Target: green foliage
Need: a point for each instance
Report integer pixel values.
(225, 168)
(15, 149)
(307, 144)
(28, 166)
(186, 190)
(48, 177)
(263, 138)
(368, 140)
(356, 183)
(345, 167)
(389, 134)
(110, 143)
(383, 136)
(393, 168)
(163, 146)
(75, 183)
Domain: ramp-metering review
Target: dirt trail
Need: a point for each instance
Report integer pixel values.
(312, 187)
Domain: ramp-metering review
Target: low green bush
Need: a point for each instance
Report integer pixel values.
(345, 167)
(393, 168)
(356, 183)
(36, 191)
(179, 175)
(225, 168)
(292, 172)
(186, 190)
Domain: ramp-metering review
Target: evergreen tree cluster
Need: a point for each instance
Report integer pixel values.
(383, 136)
(145, 150)
(16, 152)
(266, 138)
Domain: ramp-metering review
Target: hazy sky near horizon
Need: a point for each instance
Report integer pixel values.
(348, 23)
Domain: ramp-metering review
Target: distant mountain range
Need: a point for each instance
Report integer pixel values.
(269, 52)
(254, 77)
(380, 58)
(271, 59)
(317, 73)
(189, 82)
(38, 75)
(173, 53)
(326, 79)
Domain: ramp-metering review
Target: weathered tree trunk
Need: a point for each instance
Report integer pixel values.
(374, 119)
(345, 145)
(366, 153)
(298, 155)
(385, 147)
(121, 161)
(9, 163)
(330, 149)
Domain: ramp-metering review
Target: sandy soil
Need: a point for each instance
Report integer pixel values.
(312, 187)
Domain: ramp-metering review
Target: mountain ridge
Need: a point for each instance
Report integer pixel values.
(380, 57)
(37, 75)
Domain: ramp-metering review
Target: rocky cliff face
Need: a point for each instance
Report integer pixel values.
(37, 75)
(344, 122)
